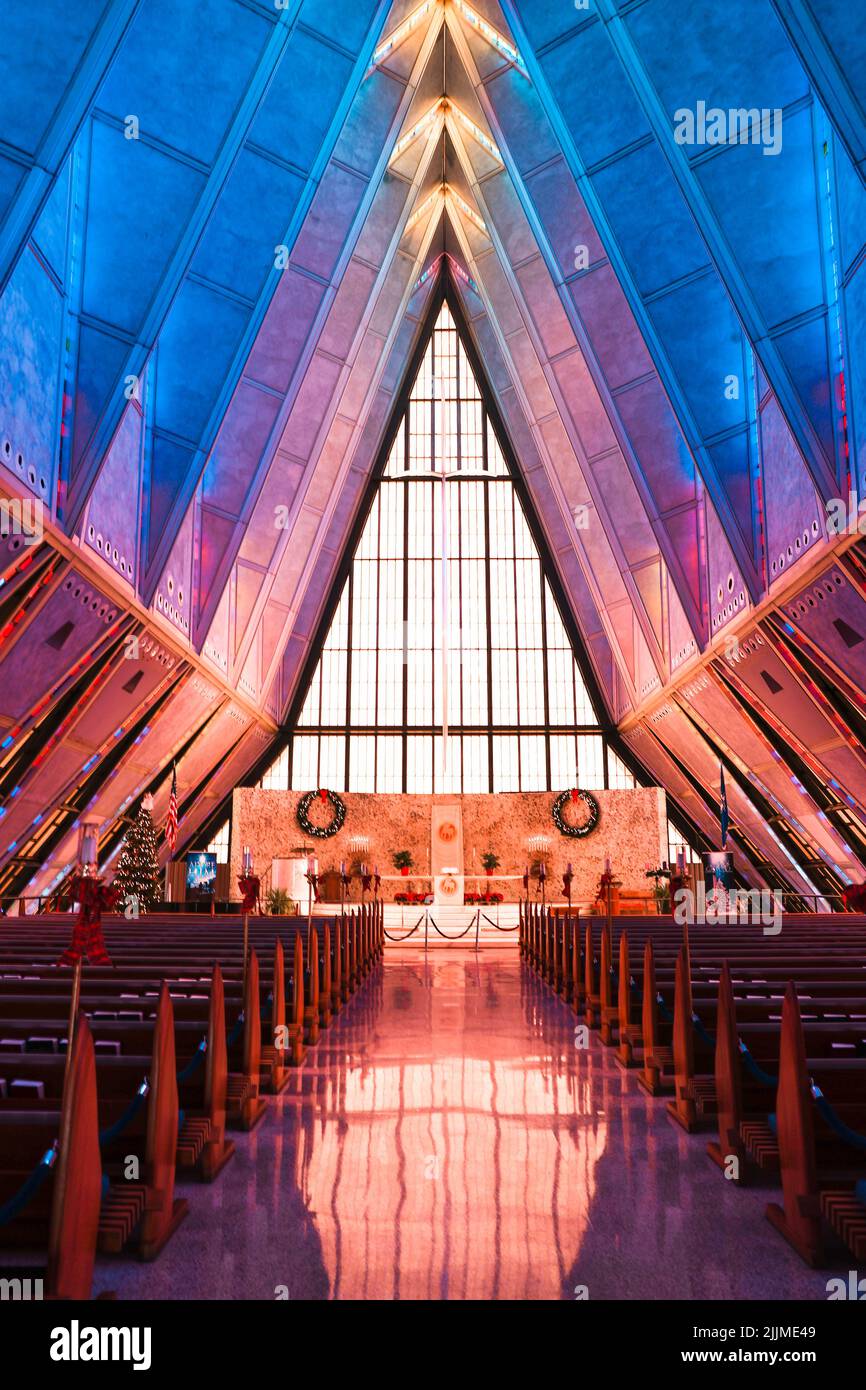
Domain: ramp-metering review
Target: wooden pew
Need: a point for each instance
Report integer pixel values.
(657, 1057)
(244, 1103)
(695, 1051)
(324, 976)
(296, 1027)
(819, 1171)
(63, 1216)
(274, 1070)
(202, 1145)
(146, 1211)
(217, 1150)
(311, 992)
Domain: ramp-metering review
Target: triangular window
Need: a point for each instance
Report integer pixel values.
(466, 608)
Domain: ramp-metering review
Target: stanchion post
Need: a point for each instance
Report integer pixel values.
(73, 1013)
(309, 907)
(246, 947)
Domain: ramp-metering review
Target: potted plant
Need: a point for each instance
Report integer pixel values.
(278, 902)
(403, 861)
(661, 888)
(490, 862)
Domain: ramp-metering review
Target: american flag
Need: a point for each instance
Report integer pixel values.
(171, 817)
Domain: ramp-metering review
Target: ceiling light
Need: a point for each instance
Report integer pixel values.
(423, 123)
(493, 36)
(402, 32)
(474, 130)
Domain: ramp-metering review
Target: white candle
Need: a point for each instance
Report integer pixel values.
(607, 863)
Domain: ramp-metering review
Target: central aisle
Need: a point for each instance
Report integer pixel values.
(446, 1139)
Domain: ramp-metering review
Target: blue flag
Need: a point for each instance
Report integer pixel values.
(723, 809)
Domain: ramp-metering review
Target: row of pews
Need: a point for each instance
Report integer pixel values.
(181, 1040)
(762, 1037)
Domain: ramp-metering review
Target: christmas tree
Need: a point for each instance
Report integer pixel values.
(137, 874)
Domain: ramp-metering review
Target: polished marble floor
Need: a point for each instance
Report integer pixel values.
(447, 1139)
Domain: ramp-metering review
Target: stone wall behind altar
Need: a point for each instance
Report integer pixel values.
(632, 830)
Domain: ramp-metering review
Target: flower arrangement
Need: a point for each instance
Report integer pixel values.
(472, 899)
(490, 861)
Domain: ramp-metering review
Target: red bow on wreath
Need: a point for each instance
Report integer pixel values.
(323, 793)
(94, 898)
(249, 885)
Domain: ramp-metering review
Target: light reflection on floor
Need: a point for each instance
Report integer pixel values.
(446, 1139)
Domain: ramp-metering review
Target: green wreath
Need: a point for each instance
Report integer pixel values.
(576, 832)
(321, 832)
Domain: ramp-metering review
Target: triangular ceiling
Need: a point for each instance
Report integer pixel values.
(210, 308)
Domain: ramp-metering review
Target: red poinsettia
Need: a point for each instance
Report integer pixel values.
(249, 884)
